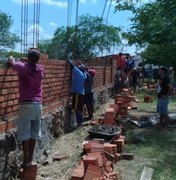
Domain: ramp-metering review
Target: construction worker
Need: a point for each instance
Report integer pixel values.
(77, 89)
(30, 75)
(88, 98)
(165, 89)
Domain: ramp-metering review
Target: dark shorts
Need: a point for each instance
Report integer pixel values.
(88, 98)
(77, 102)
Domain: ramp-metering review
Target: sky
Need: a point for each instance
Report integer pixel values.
(53, 14)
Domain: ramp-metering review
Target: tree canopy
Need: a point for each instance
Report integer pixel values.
(7, 39)
(154, 29)
(89, 38)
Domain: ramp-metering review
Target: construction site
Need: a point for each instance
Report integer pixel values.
(121, 141)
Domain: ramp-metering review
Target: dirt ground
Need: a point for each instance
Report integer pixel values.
(70, 146)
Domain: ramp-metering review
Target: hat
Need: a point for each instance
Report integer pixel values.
(92, 72)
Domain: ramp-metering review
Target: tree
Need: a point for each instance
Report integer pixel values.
(88, 39)
(7, 39)
(154, 28)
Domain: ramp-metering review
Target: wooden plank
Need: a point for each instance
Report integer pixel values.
(147, 173)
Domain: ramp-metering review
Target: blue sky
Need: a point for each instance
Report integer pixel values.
(53, 13)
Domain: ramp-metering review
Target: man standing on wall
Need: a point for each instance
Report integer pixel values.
(165, 89)
(30, 75)
(77, 89)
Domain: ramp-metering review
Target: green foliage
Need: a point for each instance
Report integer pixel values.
(14, 54)
(88, 39)
(7, 39)
(154, 28)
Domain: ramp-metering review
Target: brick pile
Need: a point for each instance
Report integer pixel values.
(98, 161)
(123, 103)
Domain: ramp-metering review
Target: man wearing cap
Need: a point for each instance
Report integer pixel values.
(88, 98)
(165, 89)
(30, 76)
(77, 89)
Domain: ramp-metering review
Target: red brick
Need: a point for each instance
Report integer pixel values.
(93, 172)
(2, 98)
(30, 173)
(109, 113)
(89, 160)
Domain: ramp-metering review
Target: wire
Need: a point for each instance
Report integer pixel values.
(108, 12)
(69, 12)
(108, 16)
(104, 8)
(77, 10)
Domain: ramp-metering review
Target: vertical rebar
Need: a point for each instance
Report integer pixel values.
(30, 18)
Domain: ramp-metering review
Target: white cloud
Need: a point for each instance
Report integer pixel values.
(63, 4)
(53, 24)
(42, 33)
(35, 27)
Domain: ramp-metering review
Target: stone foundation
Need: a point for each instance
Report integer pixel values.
(54, 125)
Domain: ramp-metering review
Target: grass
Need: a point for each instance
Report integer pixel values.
(159, 149)
(151, 107)
(159, 152)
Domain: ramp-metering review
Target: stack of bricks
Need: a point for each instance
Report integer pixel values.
(116, 109)
(93, 147)
(97, 163)
(109, 116)
(78, 173)
(124, 101)
(93, 172)
(120, 142)
(148, 99)
(98, 155)
(110, 148)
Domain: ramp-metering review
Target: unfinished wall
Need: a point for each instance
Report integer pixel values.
(56, 117)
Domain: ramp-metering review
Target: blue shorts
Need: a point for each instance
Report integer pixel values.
(162, 106)
(29, 122)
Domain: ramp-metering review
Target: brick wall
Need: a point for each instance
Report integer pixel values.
(56, 86)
